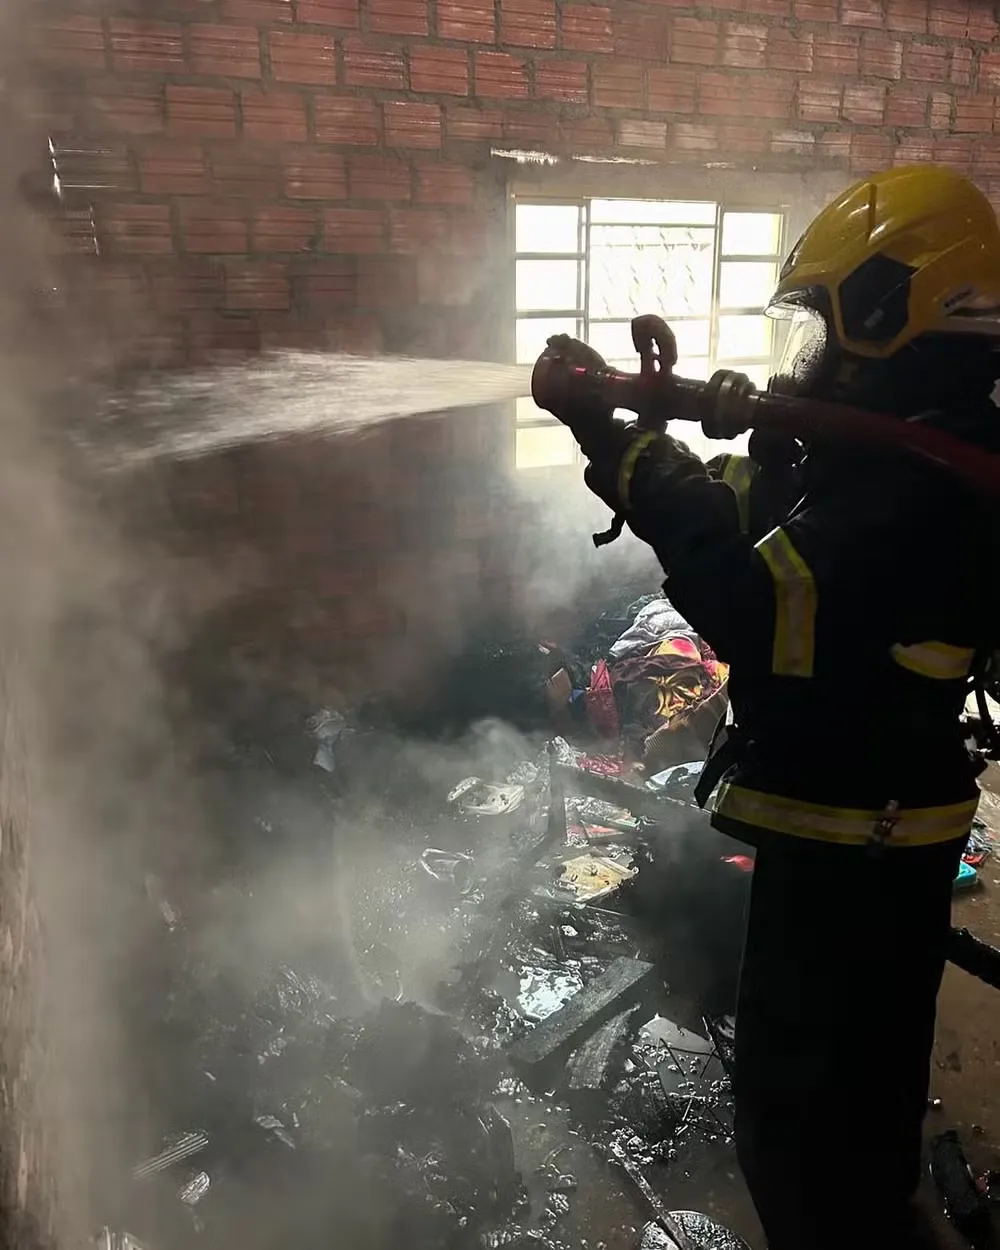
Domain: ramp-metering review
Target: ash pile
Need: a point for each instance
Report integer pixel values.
(522, 1036)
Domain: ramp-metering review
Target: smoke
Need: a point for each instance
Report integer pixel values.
(108, 809)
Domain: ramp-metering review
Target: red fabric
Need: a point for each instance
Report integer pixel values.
(600, 701)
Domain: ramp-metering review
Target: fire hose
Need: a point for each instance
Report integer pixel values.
(729, 405)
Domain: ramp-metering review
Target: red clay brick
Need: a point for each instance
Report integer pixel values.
(881, 57)
(672, 90)
(870, 152)
(640, 35)
(694, 42)
(834, 146)
(257, 12)
(925, 62)
(740, 138)
(242, 173)
(819, 101)
(907, 16)
(274, 116)
(862, 12)
(474, 123)
(837, 53)
(256, 286)
(743, 47)
(954, 152)
(975, 114)
(280, 229)
(225, 51)
(73, 42)
(905, 107)
(864, 104)
(565, 81)
(769, 8)
(529, 128)
(173, 170)
(825, 11)
(986, 157)
(345, 119)
(341, 13)
(500, 76)
(439, 71)
(381, 68)
(528, 23)
(378, 178)
(790, 50)
(221, 335)
(958, 20)
(325, 282)
(587, 28)
(691, 137)
(913, 151)
(724, 95)
(409, 124)
(989, 69)
(445, 184)
(129, 108)
(136, 229)
(591, 133)
(618, 85)
(354, 230)
(942, 107)
(314, 175)
(960, 72)
(148, 47)
(642, 134)
(469, 21)
(202, 111)
(302, 58)
(417, 230)
(793, 143)
(188, 285)
(398, 17)
(213, 229)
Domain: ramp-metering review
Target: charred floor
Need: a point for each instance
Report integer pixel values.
(467, 982)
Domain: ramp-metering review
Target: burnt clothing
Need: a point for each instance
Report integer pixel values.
(835, 1024)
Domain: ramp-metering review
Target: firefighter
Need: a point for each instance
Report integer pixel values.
(852, 620)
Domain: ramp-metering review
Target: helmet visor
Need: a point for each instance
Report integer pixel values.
(803, 355)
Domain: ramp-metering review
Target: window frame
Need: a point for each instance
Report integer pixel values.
(723, 204)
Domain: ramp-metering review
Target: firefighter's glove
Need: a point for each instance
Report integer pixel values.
(588, 418)
(634, 457)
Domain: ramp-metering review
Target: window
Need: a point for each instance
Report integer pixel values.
(587, 267)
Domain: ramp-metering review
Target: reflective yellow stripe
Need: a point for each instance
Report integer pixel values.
(629, 460)
(939, 660)
(919, 826)
(795, 606)
(738, 474)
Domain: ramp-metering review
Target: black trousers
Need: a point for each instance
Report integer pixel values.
(835, 1024)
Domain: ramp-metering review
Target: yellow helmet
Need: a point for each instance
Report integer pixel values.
(903, 253)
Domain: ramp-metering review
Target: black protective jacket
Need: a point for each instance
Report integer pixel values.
(851, 620)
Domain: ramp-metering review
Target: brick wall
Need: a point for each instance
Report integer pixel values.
(318, 173)
(297, 171)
